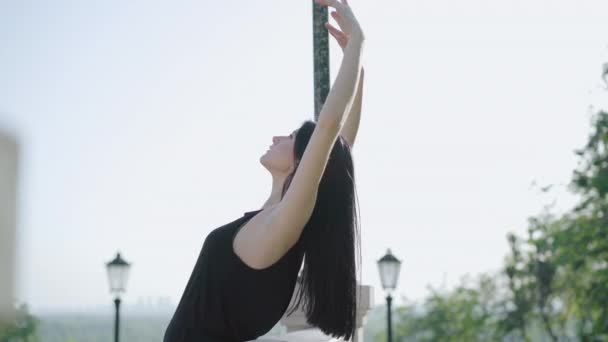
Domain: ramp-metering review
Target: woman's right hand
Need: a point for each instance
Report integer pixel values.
(346, 20)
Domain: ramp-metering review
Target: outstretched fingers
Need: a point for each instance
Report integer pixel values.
(338, 18)
(343, 15)
(339, 35)
(333, 30)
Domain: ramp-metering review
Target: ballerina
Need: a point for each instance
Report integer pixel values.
(247, 269)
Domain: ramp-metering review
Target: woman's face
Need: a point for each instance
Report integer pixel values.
(279, 157)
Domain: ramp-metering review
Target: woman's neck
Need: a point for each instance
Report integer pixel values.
(275, 193)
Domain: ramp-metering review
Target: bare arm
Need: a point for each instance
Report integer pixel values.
(349, 131)
(286, 221)
(342, 93)
(351, 126)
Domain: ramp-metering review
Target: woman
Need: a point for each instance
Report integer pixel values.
(247, 270)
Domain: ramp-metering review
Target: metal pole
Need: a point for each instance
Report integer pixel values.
(320, 56)
(389, 299)
(116, 321)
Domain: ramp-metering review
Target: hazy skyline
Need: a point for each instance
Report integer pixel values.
(141, 125)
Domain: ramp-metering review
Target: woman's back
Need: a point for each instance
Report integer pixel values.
(227, 300)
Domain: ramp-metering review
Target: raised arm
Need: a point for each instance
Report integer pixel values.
(291, 214)
(351, 126)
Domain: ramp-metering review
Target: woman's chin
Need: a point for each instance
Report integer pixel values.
(263, 159)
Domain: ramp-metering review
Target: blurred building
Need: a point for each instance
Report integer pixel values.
(8, 222)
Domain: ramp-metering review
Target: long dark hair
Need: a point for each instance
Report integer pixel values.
(328, 282)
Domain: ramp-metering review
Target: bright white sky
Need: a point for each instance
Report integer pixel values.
(142, 123)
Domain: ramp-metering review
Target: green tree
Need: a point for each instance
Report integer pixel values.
(463, 314)
(583, 243)
(518, 303)
(23, 329)
(554, 285)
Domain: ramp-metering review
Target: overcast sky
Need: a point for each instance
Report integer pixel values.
(141, 125)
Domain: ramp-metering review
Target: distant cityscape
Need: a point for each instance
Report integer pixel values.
(142, 305)
(158, 304)
(145, 320)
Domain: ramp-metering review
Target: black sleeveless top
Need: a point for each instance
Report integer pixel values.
(225, 299)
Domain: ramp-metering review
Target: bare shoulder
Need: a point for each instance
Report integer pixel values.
(267, 236)
(256, 246)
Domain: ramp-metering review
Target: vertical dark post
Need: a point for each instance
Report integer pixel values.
(389, 299)
(116, 326)
(320, 56)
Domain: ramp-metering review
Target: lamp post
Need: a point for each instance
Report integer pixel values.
(389, 267)
(118, 273)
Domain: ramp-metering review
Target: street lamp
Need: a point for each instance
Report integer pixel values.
(118, 273)
(389, 267)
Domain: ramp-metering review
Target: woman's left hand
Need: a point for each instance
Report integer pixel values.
(340, 36)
